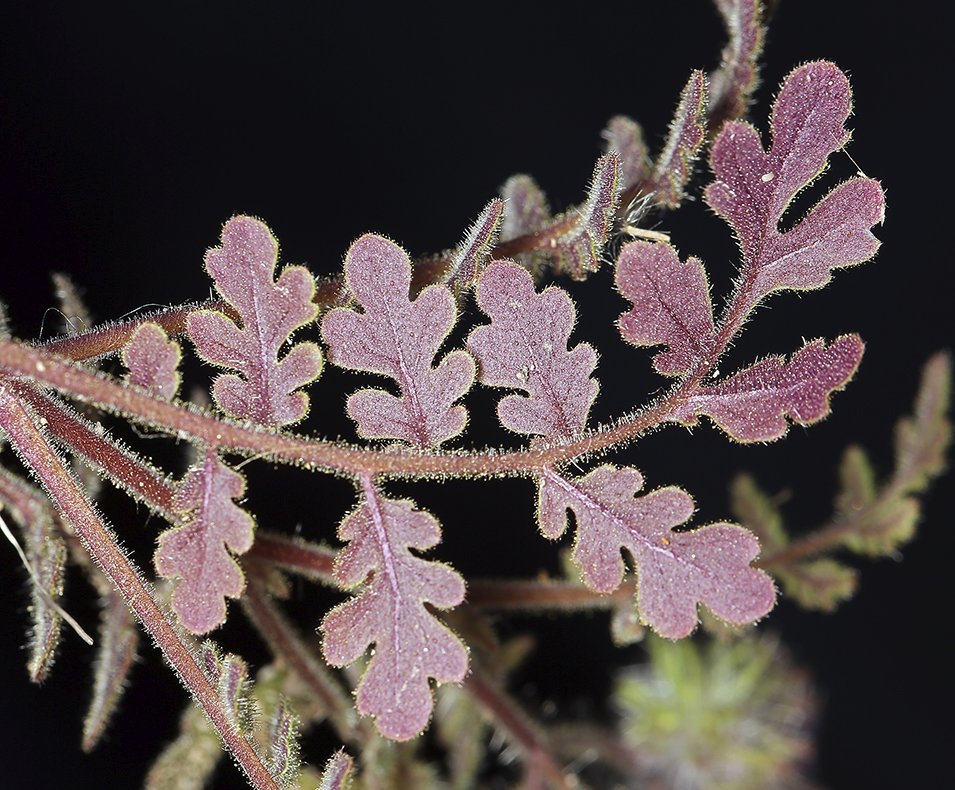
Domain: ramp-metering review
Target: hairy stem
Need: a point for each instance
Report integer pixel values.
(190, 422)
(110, 338)
(100, 542)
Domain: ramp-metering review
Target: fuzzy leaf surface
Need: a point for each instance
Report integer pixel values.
(474, 251)
(200, 552)
(525, 207)
(676, 571)
(264, 388)
(687, 132)
(397, 337)
(116, 652)
(753, 404)
(153, 361)
(525, 348)
(755, 187)
(46, 553)
(732, 84)
(578, 250)
(624, 137)
(671, 305)
(389, 612)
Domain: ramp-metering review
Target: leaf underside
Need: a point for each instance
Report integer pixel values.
(264, 387)
(398, 338)
(200, 551)
(676, 571)
(525, 348)
(411, 646)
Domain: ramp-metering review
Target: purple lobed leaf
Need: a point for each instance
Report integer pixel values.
(671, 305)
(676, 571)
(525, 348)
(153, 361)
(754, 187)
(411, 645)
(198, 552)
(752, 405)
(399, 338)
(243, 268)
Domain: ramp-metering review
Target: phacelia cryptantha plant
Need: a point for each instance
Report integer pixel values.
(412, 646)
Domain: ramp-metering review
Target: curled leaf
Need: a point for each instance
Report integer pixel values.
(337, 773)
(525, 348)
(399, 338)
(732, 84)
(577, 250)
(687, 133)
(475, 250)
(676, 571)
(625, 138)
(117, 646)
(44, 555)
(264, 387)
(525, 207)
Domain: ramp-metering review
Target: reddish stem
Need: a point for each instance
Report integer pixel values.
(101, 543)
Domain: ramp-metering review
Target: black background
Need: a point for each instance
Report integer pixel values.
(128, 134)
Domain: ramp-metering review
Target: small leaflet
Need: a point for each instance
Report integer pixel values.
(732, 84)
(117, 647)
(200, 551)
(411, 646)
(572, 242)
(671, 305)
(283, 755)
(188, 761)
(525, 207)
(624, 137)
(578, 250)
(820, 584)
(44, 555)
(399, 338)
(922, 438)
(754, 187)
(337, 773)
(752, 405)
(153, 361)
(229, 674)
(525, 348)
(475, 250)
(676, 571)
(687, 133)
(885, 516)
(264, 387)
